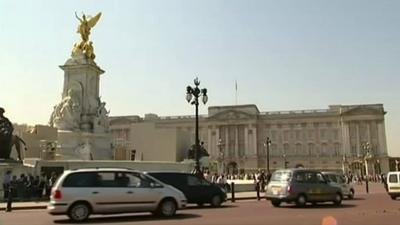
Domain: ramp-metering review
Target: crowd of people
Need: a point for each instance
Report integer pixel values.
(359, 179)
(260, 179)
(27, 187)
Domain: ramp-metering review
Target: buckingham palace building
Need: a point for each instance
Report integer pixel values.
(342, 137)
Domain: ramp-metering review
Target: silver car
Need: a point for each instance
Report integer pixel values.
(338, 180)
(80, 193)
(301, 186)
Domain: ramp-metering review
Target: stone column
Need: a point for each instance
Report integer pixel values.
(359, 151)
(246, 140)
(369, 132)
(211, 147)
(382, 137)
(254, 140)
(237, 142)
(346, 138)
(227, 142)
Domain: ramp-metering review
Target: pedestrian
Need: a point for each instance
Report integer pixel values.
(384, 181)
(11, 192)
(256, 187)
(6, 184)
(214, 178)
(42, 186)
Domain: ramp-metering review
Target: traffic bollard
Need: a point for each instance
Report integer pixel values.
(233, 192)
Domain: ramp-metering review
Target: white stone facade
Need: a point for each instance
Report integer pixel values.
(331, 138)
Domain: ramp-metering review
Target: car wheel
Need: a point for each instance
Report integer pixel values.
(393, 197)
(276, 203)
(216, 201)
(79, 212)
(351, 195)
(338, 199)
(301, 200)
(167, 208)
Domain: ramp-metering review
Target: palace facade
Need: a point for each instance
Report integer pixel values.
(342, 137)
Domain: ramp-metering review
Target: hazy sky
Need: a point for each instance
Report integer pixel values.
(285, 55)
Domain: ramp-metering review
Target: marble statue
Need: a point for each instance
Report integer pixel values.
(84, 150)
(101, 123)
(66, 114)
(80, 117)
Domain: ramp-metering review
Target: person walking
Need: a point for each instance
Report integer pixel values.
(6, 184)
(11, 192)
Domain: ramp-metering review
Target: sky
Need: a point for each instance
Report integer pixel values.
(284, 55)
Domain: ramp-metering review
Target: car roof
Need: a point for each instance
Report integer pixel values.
(295, 169)
(102, 169)
(331, 172)
(166, 172)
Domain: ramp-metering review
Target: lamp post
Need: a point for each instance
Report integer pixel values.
(344, 164)
(220, 159)
(267, 143)
(378, 163)
(192, 97)
(284, 160)
(367, 155)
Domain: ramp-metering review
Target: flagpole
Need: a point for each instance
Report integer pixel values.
(236, 96)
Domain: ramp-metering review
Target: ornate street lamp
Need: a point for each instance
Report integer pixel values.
(367, 156)
(220, 158)
(192, 97)
(267, 143)
(284, 161)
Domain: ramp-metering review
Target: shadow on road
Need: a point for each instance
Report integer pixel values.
(209, 207)
(319, 206)
(129, 218)
(355, 199)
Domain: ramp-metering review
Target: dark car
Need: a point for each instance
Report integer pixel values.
(197, 190)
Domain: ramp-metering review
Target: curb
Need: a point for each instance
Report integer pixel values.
(25, 207)
(31, 207)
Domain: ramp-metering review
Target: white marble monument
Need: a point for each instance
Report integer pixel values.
(81, 117)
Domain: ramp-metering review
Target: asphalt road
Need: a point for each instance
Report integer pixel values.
(372, 209)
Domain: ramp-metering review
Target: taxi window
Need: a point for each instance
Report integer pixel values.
(281, 176)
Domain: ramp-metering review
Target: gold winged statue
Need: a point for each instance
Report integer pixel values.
(86, 24)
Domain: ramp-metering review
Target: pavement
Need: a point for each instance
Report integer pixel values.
(247, 195)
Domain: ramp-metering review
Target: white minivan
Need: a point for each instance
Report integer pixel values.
(393, 184)
(82, 192)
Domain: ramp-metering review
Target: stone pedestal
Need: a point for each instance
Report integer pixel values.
(84, 145)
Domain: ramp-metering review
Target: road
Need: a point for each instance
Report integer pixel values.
(372, 209)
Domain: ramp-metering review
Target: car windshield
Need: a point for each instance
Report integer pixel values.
(281, 176)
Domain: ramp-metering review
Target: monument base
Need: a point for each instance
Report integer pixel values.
(83, 146)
